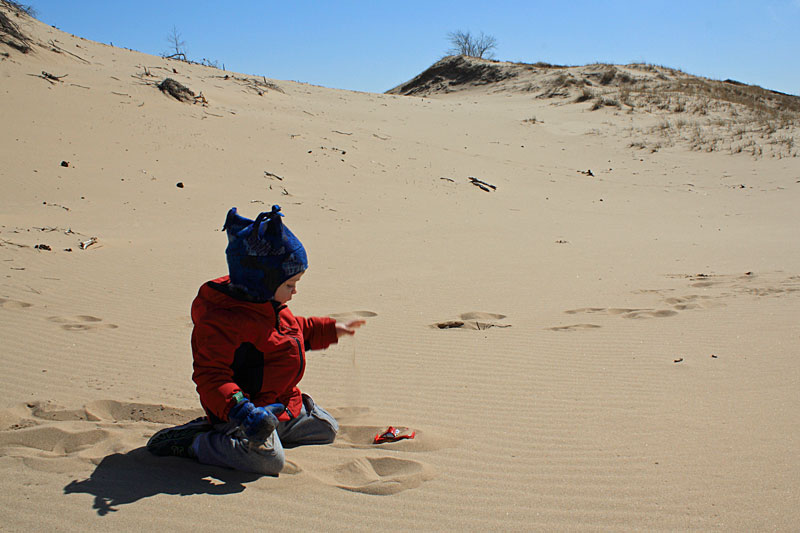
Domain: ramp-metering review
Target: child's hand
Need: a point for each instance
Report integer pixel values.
(258, 423)
(349, 328)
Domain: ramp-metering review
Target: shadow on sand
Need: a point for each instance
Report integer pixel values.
(121, 479)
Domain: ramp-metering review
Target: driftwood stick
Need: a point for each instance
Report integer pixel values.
(59, 49)
(48, 76)
(179, 55)
(482, 184)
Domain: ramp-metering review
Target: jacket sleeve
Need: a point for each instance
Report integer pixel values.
(318, 332)
(214, 344)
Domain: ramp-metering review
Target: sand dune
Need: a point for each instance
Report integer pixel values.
(587, 333)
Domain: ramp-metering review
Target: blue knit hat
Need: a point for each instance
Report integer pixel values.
(262, 253)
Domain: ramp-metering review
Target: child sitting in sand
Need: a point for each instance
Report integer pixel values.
(250, 353)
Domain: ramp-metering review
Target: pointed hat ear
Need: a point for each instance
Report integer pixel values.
(234, 223)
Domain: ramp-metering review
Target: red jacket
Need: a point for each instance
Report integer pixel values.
(256, 348)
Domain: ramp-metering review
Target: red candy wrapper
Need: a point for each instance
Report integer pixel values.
(392, 434)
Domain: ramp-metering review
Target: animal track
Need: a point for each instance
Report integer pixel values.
(13, 304)
(472, 320)
(81, 323)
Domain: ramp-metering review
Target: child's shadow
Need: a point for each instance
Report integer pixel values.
(126, 478)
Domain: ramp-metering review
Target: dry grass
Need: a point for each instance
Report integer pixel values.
(10, 33)
(759, 138)
(696, 113)
(701, 114)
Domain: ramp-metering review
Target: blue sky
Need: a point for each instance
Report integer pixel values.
(375, 45)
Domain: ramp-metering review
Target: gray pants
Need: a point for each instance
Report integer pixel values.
(227, 445)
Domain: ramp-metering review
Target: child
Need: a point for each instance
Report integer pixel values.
(250, 353)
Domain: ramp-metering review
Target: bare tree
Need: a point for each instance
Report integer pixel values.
(177, 46)
(464, 43)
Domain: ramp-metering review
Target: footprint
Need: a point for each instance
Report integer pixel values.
(472, 320)
(354, 314)
(379, 475)
(586, 310)
(13, 304)
(650, 314)
(603, 310)
(53, 412)
(624, 311)
(481, 316)
(574, 327)
(112, 410)
(36, 412)
(448, 324)
(51, 439)
(81, 323)
(693, 301)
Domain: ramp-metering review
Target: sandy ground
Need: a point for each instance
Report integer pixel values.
(627, 356)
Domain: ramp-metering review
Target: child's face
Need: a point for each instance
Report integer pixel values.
(288, 288)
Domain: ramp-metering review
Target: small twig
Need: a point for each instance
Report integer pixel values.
(50, 77)
(86, 244)
(15, 244)
(342, 132)
(59, 49)
(179, 55)
(57, 205)
(482, 184)
(271, 175)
